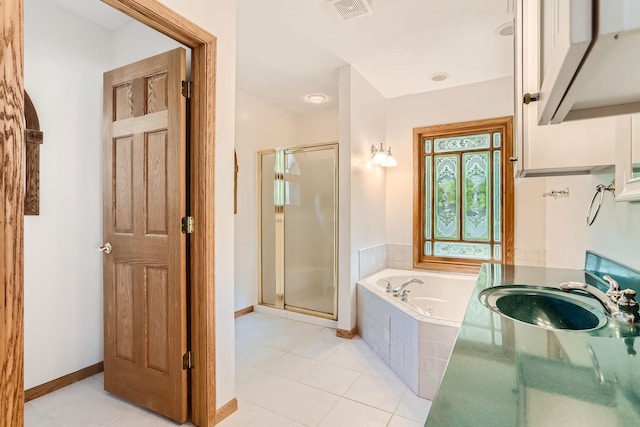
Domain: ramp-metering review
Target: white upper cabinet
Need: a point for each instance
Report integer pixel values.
(570, 148)
(589, 59)
(565, 36)
(628, 159)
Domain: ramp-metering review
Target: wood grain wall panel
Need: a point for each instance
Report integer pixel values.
(123, 101)
(32, 173)
(11, 215)
(157, 310)
(123, 183)
(30, 113)
(156, 93)
(156, 182)
(203, 316)
(34, 138)
(124, 301)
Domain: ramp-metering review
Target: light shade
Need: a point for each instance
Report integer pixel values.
(316, 98)
(383, 157)
(390, 161)
(379, 158)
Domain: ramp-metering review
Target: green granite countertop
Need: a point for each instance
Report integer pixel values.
(506, 373)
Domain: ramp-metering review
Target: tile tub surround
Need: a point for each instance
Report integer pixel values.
(415, 347)
(371, 260)
(389, 255)
(399, 256)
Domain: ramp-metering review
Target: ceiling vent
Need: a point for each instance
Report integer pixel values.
(348, 9)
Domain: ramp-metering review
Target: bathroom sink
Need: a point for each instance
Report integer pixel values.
(545, 307)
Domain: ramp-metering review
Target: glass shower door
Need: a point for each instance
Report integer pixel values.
(298, 229)
(310, 209)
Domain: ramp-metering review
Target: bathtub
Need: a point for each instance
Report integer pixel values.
(414, 337)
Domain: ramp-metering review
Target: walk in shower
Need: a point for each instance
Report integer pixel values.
(297, 228)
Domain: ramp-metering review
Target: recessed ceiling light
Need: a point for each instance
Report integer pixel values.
(316, 98)
(438, 77)
(505, 29)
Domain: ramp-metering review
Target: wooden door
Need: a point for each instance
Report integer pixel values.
(144, 200)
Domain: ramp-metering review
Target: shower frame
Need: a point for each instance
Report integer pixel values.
(280, 238)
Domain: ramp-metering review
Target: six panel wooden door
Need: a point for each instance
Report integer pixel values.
(144, 200)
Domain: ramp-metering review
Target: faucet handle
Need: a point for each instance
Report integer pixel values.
(614, 289)
(628, 304)
(404, 294)
(388, 288)
(613, 283)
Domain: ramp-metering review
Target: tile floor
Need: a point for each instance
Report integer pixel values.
(288, 373)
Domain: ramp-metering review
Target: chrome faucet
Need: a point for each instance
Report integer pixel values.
(613, 292)
(397, 291)
(388, 288)
(612, 306)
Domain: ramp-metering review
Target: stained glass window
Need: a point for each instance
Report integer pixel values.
(465, 192)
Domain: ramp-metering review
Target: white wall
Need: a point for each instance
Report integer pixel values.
(135, 41)
(65, 57)
(259, 125)
(483, 100)
(318, 127)
(219, 18)
(362, 186)
(614, 234)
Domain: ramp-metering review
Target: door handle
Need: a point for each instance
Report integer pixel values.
(106, 248)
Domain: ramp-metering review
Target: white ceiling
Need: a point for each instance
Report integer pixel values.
(290, 48)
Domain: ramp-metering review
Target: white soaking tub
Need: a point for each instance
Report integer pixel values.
(414, 337)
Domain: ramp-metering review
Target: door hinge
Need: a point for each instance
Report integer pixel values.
(187, 360)
(186, 89)
(187, 224)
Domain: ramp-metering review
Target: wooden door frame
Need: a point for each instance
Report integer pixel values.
(203, 44)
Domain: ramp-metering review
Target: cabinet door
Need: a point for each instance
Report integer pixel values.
(563, 149)
(565, 35)
(628, 158)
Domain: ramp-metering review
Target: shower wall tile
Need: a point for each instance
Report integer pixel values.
(399, 256)
(371, 260)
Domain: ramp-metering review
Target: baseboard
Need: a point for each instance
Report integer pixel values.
(226, 410)
(61, 382)
(344, 333)
(243, 311)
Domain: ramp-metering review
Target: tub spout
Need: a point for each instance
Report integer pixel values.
(397, 291)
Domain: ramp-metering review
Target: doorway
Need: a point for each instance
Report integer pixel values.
(168, 22)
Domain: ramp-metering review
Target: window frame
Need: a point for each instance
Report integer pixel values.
(464, 265)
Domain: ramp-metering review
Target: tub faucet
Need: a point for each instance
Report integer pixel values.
(397, 291)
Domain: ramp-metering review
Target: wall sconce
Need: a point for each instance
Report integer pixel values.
(383, 157)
